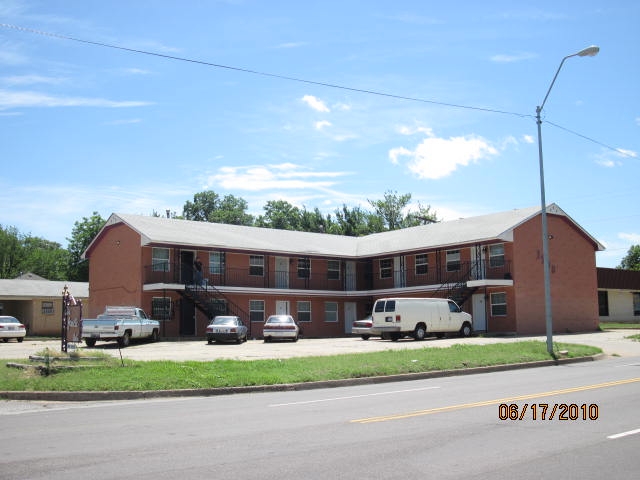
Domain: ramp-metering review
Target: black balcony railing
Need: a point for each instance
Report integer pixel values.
(166, 273)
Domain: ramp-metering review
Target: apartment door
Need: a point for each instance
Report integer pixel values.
(187, 317)
(350, 275)
(399, 273)
(282, 307)
(282, 272)
(186, 267)
(350, 316)
(479, 306)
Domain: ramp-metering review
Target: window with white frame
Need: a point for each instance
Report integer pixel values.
(160, 259)
(161, 308)
(453, 260)
(256, 265)
(304, 267)
(330, 311)
(47, 308)
(333, 269)
(498, 304)
(422, 264)
(216, 263)
(304, 311)
(256, 310)
(386, 268)
(496, 255)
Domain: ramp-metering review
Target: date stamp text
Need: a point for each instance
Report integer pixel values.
(548, 411)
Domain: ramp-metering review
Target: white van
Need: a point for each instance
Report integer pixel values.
(395, 318)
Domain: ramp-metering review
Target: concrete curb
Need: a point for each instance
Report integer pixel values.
(208, 392)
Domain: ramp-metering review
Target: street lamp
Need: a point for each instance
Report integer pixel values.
(587, 52)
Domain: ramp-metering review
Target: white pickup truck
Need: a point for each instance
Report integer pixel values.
(121, 324)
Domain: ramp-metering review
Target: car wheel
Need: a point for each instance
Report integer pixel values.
(365, 337)
(5, 340)
(420, 332)
(20, 339)
(154, 335)
(267, 339)
(466, 330)
(91, 342)
(124, 340)
(209, 342)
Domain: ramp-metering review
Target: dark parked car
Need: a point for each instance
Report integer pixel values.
(280, 327)
(226, 328)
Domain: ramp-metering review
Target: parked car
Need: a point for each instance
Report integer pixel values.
(226, 328)
(10, 327)
(280, 327)
(364, 328)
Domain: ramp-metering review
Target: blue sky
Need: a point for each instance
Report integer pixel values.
(438, 100)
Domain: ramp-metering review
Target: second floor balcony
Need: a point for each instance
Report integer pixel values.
(363, 279)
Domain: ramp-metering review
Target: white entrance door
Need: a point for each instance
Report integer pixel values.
(282, 272)
(349, 316)
(282, 307)
(350, 273)
(479, 312)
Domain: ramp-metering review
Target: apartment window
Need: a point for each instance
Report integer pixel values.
(498, 304)
(422, 264)
(256, 265)
(333, 269)
(636, 303)
(330, 311)
(304, 268)
(217, 307)
(304, 311)
(603, 303)
(47, 308)
(161, 308)
(453, 260)
(160, 259)
(216, 263)
(256, 310)
(386, 268)
(496, 255)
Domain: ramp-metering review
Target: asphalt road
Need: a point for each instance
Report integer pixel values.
(611, 342)
(445, 428)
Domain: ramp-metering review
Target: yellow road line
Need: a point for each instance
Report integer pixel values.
(462, 406)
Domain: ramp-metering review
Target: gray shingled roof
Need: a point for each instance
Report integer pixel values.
(28, 289)
(496, 226)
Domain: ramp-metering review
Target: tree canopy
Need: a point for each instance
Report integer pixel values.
(631, 260)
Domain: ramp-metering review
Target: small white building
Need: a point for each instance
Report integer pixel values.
(619, 295)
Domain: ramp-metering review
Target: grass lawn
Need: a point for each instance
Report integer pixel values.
(105, 373)
(617, 325)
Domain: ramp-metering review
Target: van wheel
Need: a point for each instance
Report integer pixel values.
(365, 337)
(420, 332)
(466, 330)
(91, 342)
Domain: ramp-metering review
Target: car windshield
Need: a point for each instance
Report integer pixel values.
(224, 321)
(280, 320)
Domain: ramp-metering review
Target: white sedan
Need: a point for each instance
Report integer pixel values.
(280, 327)
(10, 327)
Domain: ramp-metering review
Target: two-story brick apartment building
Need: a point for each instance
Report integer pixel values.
(491, 264)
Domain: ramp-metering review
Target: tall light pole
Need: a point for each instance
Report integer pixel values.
(587, 52)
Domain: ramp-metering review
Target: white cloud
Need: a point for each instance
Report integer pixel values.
(528, 139)
(518, 57)
(12, 99)
(267, 177)
(321, 124)
(315, 103)
(30, 80)
(632, 238)
(404, 130)
(436, 158)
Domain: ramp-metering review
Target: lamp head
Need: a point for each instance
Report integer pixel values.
(591, 51)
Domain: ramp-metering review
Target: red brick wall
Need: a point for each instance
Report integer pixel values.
(115, 270)
(574, 297)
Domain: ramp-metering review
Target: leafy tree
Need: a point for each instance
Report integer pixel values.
(280, 214)
(11, 253)
(45, 258)
(314, 221)
(390, 209)
(632, 260)
(82, 235)
(207, 206)
(422, 217)
(353, 222)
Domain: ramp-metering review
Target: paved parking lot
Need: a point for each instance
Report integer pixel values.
(611, 342)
